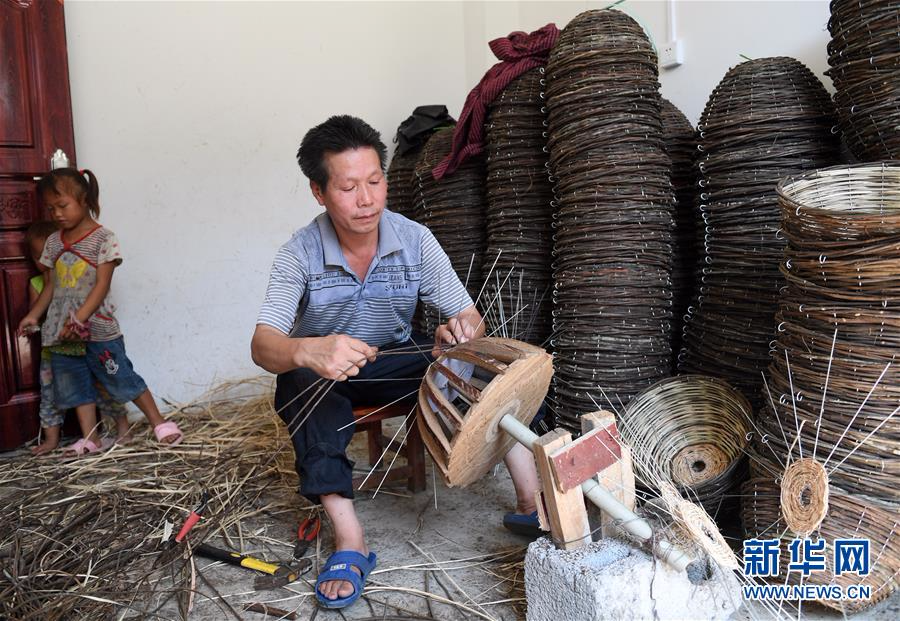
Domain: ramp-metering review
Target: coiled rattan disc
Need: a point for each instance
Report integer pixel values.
(692, 431)
(804, 495)
(848, 516)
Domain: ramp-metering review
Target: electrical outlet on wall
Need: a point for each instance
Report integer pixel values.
(671, 54)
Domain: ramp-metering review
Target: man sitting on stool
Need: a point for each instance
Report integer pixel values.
(342, 291)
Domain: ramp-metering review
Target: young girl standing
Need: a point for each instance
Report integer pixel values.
(82, 256)
(51, 416)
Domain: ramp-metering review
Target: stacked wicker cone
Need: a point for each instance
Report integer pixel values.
(681, 145)
(864, 54)
(613, 239)
(401, 187)
(453, 209)
(767, 119)
(830, 431)
(519, 214)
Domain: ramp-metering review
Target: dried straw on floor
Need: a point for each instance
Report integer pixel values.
(78, 538)
(613, 238)
(766, 119)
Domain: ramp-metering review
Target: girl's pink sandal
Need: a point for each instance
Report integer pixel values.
(166, 429)
(84, 446)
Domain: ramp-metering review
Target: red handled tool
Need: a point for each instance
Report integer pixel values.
(306, 534)
(193, 518)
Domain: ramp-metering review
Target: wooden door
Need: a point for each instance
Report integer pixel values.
(35, 120)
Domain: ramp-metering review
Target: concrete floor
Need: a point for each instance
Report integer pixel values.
(459, 541)
(465, 525)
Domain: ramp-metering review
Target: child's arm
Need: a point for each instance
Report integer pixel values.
(33, 296)
(98, 293)
(92, 302)
(38, 308)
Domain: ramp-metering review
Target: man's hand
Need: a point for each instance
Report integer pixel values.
(336, 357)
(465, 326)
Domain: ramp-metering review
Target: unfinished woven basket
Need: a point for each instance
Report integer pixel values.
(833, 371)
(825, 455)
(613, 222)
(757, 105)
(690, 431)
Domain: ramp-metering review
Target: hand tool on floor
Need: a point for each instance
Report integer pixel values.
(306, 534)
(193, 518)
(277, 575)
(170, 547)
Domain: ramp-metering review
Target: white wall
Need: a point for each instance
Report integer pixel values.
(714, 34)
(191, 113)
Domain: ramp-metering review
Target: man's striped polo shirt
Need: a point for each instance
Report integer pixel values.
(313, 292)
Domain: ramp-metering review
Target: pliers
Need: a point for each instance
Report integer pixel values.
(306, 534)
(193, 518)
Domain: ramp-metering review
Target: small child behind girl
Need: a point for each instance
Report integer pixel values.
(51, 416)
(82, 256)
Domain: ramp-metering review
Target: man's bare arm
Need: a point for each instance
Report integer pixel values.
(336, 357)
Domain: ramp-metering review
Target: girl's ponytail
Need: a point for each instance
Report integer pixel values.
(82, 184)
(92, 195)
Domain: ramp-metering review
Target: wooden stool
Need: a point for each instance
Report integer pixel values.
(412, 449)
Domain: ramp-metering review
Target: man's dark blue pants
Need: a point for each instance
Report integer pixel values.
(319, 447)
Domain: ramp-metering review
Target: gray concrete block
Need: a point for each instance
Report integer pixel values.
(611, 580)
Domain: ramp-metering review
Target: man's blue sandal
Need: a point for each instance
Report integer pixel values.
(337, 567)
(522, 524)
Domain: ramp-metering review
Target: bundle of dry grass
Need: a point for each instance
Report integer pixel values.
(79, 538)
